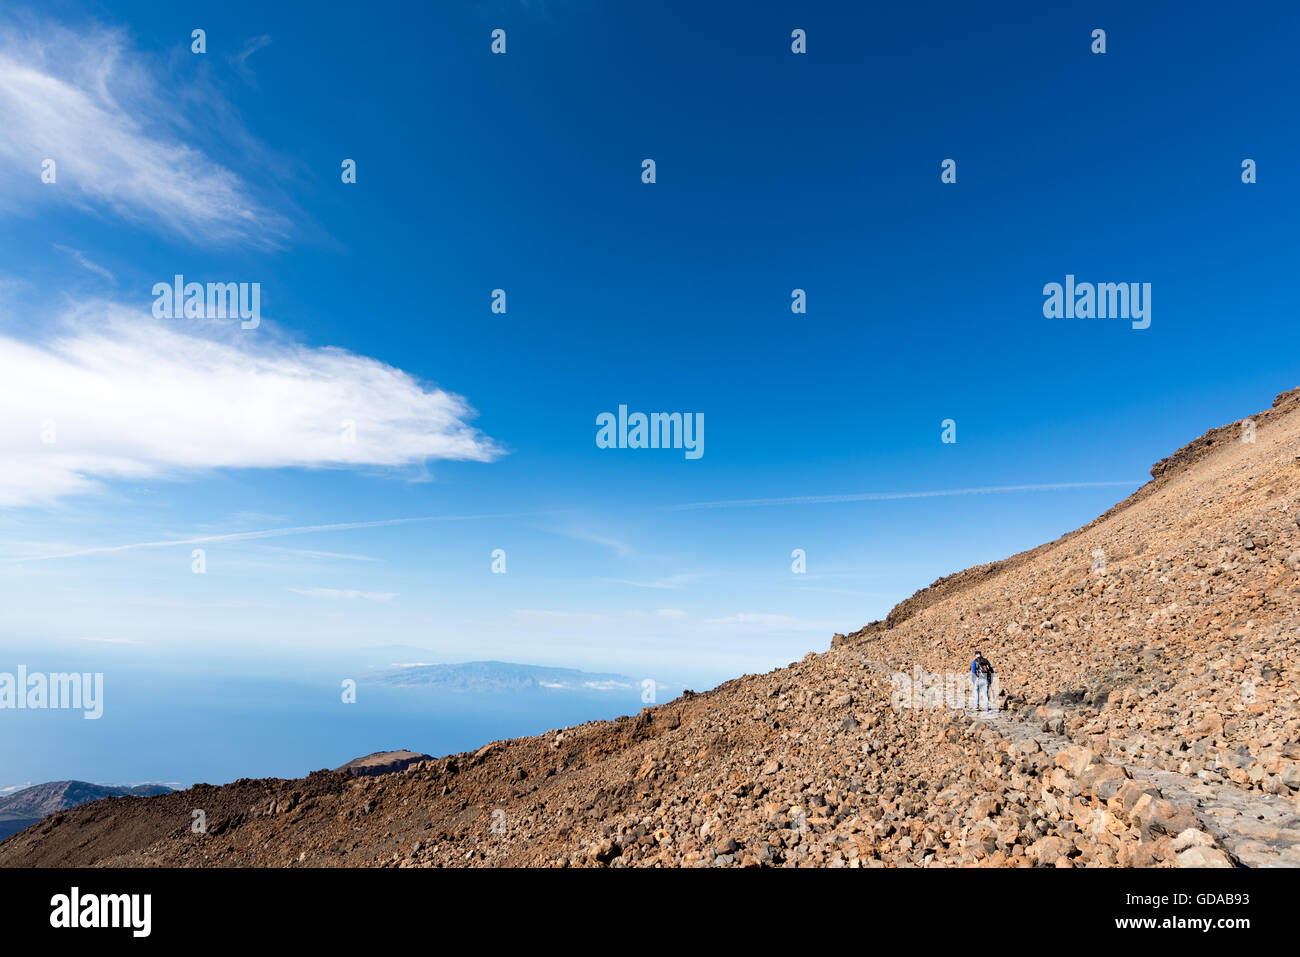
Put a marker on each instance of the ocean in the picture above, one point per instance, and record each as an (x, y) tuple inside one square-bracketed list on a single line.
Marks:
[(213, 723)]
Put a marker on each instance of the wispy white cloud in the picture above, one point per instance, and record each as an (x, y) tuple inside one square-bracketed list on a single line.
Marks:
[(891, 496), (620, 548), (240, 60), (117, 395), (347, 594), (47, 551), (759, 620), (317, 554), (44, 552), (80, 258), (636, 621), (87, 101), (668, 582), (53, 552)]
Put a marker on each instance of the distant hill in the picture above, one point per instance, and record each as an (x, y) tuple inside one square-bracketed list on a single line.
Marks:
[(22, 809), (382, 762), (496, 677)]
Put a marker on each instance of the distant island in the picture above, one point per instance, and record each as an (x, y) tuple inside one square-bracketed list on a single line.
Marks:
[(501, 677), (21, 809)]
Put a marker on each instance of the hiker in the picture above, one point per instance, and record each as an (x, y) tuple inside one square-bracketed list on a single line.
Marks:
[(981, 673)]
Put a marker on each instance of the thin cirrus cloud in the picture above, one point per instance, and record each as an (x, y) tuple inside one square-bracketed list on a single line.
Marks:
[(618, 547), (348, 594), (44, 551), (117, 395), (85, 263), (893, 496), (88, 102)]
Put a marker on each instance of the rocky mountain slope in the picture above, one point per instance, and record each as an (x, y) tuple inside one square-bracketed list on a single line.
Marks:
[(1148, 669)]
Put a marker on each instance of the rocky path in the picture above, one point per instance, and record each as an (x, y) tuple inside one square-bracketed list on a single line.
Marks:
[(1259, 830)]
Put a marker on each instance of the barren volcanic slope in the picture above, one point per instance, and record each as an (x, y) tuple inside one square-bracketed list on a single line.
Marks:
[(1149, 662)]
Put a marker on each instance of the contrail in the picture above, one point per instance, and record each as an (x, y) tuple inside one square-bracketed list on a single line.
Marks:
[(264, 533), (725, 503), (888, 496)]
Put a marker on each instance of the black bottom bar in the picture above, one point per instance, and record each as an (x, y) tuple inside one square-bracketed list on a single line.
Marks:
[(387, 906)]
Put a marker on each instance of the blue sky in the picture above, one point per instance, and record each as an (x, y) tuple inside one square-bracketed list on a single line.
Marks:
[(476, 431)]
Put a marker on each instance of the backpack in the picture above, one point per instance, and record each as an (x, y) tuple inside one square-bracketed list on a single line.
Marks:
[(982, 667)]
